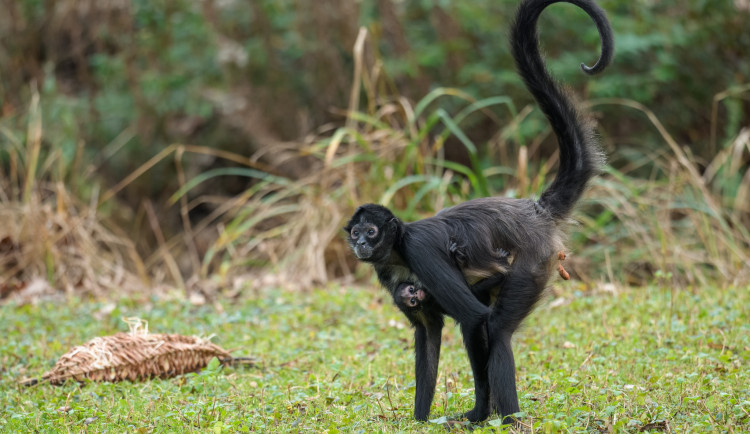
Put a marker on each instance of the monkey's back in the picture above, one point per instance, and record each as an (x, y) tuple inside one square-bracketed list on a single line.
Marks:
[(480, 227)]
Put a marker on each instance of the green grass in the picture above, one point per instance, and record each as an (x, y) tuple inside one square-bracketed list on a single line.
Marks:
[(340, 359)]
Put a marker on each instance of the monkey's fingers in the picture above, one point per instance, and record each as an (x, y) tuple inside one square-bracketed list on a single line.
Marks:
[(561, 255), (564, 274)]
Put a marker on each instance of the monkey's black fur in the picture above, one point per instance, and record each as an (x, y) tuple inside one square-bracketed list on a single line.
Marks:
[(461, 245)]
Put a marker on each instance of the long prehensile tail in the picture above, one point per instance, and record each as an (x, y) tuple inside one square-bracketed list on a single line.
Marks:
[(580, 156)]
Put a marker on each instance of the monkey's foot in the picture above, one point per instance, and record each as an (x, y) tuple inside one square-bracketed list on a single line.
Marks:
[(477, 414)]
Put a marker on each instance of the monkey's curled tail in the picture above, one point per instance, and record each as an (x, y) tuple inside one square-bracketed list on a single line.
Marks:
[(580, 156)]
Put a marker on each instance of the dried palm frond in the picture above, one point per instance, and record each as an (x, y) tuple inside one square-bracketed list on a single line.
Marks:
[(135, 356)]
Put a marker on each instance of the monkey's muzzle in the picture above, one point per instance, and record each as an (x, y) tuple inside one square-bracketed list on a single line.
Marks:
[(363, 252)]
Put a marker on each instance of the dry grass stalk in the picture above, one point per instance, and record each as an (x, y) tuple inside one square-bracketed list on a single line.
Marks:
[(135, 356), (63, 242), (50, 241)]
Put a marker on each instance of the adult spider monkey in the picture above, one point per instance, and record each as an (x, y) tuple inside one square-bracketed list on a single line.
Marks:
[(423, 252)]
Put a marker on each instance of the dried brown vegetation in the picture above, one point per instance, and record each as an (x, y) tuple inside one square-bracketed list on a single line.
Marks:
[(48, 234), (662, 213)]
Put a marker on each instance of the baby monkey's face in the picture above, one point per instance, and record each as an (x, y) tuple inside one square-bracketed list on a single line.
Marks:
[(409, 296)]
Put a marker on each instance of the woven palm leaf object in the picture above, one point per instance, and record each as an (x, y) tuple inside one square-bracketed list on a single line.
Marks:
[(134, 356)]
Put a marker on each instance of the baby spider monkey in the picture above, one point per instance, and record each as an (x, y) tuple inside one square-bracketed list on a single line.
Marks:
[(411, 296)]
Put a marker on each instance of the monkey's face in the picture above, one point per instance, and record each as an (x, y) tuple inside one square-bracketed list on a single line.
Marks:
[(371, 233), (363, 239), (410, 296)]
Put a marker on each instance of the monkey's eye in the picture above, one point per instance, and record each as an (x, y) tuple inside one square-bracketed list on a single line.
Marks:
[(355, 233), (413, 301), (372, 232)]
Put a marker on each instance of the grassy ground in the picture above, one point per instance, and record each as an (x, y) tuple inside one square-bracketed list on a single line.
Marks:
[(339, 359)]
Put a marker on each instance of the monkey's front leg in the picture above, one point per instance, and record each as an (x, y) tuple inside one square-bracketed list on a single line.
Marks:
[(427, 349), (449, 289)]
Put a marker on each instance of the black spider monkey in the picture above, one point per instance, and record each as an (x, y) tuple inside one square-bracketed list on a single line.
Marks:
[(532, 231)]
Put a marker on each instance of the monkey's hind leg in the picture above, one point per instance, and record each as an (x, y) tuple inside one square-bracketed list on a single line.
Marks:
[(520, 293)]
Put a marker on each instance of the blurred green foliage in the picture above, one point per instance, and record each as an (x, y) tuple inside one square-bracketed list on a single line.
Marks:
[(157, 64)]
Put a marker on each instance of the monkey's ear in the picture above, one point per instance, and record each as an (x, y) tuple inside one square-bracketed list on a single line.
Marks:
[(394, 226)]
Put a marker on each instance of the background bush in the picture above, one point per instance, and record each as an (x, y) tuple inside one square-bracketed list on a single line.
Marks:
[(121, 80)]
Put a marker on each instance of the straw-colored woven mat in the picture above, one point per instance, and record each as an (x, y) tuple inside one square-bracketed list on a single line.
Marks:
[(135, 356)]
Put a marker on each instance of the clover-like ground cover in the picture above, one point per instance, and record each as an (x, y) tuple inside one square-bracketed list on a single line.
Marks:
[(340, 359)]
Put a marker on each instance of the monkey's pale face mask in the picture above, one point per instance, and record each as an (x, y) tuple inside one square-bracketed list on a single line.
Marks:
[(411, 297), (371, 233), (364, 238)]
